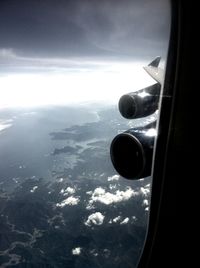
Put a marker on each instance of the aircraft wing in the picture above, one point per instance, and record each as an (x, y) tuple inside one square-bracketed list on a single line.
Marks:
[(154, 71)]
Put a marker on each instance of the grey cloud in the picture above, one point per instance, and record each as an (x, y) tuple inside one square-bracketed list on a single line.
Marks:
[(126, 27), (106, 28), (11, 62)]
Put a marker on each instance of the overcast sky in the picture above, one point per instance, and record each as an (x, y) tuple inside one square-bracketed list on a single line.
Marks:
[(70, 36)]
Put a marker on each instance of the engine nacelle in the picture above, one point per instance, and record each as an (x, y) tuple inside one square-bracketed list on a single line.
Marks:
[(140, 103), (131, 152)]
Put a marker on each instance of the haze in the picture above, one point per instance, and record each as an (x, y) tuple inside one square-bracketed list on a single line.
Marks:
[(65, 52)]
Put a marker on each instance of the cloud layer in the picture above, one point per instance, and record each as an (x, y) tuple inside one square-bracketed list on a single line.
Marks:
[(106, 28)]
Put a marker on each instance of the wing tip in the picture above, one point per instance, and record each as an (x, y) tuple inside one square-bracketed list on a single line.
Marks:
[(155, 62)]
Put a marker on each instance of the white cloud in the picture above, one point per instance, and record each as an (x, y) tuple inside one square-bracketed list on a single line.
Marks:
[(90, 206), (96, 218), (76, 251), (71, 201), (98, 191), (125, 221), (117, 219), (112, 186), (89, 192), (114, 178), (107, 198), (68, 190), (33, 189), (144, 191), (145, 202)]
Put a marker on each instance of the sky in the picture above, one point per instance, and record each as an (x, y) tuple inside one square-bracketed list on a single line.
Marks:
[(71, 51)]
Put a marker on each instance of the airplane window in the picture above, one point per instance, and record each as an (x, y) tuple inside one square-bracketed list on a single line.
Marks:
[(74, 188)]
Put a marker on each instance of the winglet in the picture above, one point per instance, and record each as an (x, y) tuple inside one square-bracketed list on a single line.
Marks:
[(155, 62), (154, 71)]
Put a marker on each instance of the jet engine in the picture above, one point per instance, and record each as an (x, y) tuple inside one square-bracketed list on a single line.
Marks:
[(141, 103), (131, 152)]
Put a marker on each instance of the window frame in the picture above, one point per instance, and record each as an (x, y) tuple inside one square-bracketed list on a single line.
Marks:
[(174, 154)]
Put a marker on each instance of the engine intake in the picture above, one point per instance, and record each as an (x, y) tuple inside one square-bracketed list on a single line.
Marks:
[(141, 103), (131, 152)]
